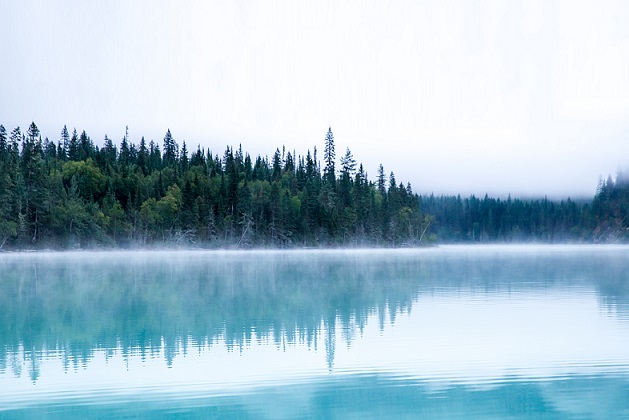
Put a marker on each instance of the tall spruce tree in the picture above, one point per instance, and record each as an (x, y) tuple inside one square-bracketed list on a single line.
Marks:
[(64, 141), (109, 152), (183, 158), (170, 150), (348, 164), (329, 156), (143, 157), (381, 180), (73, 147), (85, 146), (3, 143)]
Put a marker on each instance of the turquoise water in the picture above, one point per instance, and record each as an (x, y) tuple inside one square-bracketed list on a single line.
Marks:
[(448, 332)]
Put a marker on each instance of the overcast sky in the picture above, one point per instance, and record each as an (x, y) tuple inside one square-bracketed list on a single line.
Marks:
[(527, 98)]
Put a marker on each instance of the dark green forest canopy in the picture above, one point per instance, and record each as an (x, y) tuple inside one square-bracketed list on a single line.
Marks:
[(71, 193)]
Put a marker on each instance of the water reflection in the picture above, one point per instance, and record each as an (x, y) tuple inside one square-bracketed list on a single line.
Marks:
[(442, 322), (82, 302), (369, 396)]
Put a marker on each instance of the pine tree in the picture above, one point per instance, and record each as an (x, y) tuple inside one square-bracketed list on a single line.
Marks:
[(8, 227), (277, 165), (183, 159), (14, 148), (381, 180), (198, 158), (109, 152), (28, 151), (170, 150), (125, 153), (85, 146), (64, 141), (34, 180), (155, 158), (3, 143), (73, 147), (329, 157), (143, 157), (348, 164)]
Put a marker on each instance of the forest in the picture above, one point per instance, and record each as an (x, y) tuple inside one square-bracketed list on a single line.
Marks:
[(72, 194)]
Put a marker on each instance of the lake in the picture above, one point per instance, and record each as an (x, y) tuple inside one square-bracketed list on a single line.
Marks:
[(447, 332)]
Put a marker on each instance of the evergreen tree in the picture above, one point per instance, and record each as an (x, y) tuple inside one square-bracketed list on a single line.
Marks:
[(50, 150), (381, 180), (170, 150), (3, 143), (184, 158), (155, 159), (85, 146), (64, 141), (109, 153), (348, 164), (8, 226), (277, 165), (143, 157), (124, 157), (34, 181), (198, 158), (73, 147), (329, 157)]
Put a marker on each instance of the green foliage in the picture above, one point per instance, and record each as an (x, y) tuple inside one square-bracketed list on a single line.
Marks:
[(609, 213), (8, 229), (77, 194), (512, 220), (90, 181)]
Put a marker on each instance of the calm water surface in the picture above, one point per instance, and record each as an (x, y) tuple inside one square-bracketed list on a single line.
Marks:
[(449, 332)]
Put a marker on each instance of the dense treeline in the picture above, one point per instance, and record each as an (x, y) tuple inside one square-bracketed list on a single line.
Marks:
[(76, 194), (605, 218), (512, 220), (610, 209), (73, 193)]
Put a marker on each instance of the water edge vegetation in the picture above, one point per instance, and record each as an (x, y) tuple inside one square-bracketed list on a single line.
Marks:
[(74, 194)]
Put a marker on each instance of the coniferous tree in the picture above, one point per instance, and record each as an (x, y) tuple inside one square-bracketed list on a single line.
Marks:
[(170, 150), (125, 152), (3, 143), (381, 180), (277, 165), (73, 147), (85, 146), (35, 193), (64, 141), (155, 157), (348, 166), (8, 227), (143, 157), (183, 158), (329, 156), (14, 140), (50, 150), (109, 154), (198, 158)]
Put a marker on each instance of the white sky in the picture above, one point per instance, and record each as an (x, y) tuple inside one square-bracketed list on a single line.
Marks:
[(528, 98)]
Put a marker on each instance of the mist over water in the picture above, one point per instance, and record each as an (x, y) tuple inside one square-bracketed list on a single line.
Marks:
[(521, 331)]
